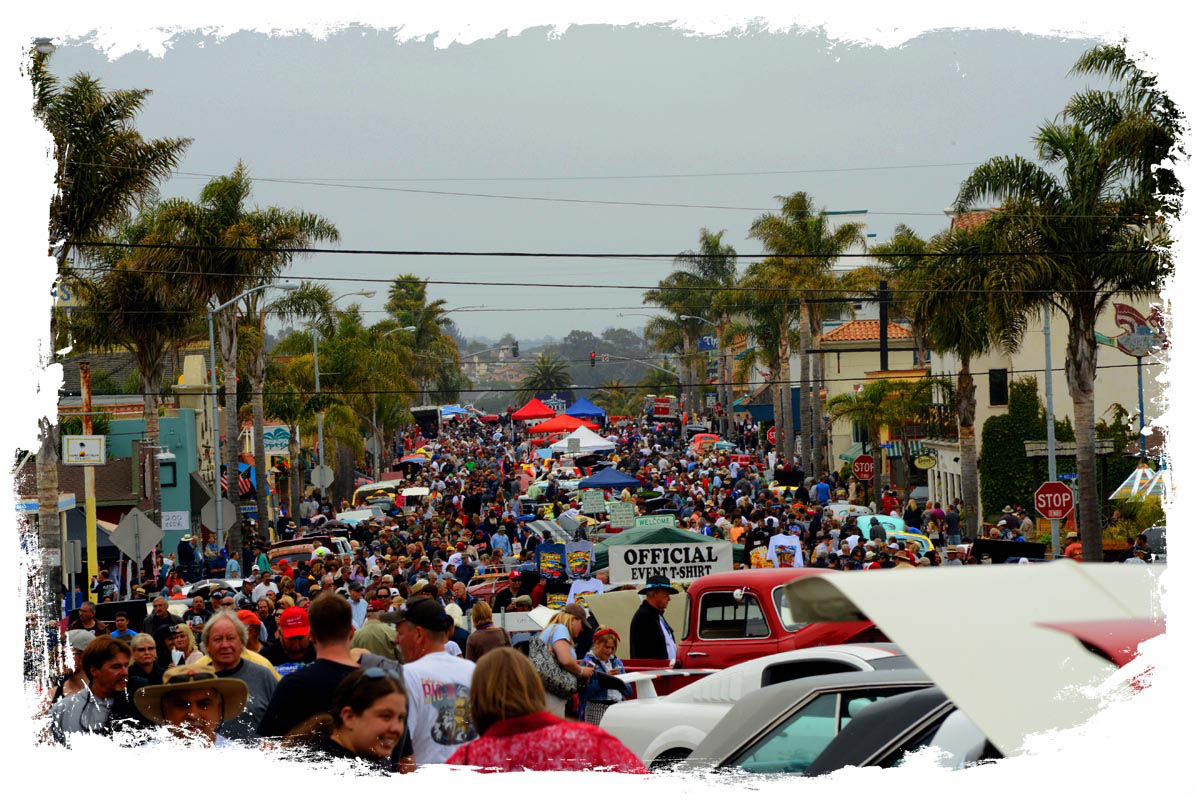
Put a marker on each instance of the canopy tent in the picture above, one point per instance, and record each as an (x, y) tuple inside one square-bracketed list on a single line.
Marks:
[(1134, 485), (562, 424), (663, 534), (585, 408), (609, 478), (534, 409), (1161, 486), (451, 411), (588, 442)]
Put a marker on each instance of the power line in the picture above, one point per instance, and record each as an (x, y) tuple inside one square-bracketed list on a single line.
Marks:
[(756, 387)]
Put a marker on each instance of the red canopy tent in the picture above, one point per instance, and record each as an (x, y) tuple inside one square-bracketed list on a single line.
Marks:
[(563, 423), (534, 409)]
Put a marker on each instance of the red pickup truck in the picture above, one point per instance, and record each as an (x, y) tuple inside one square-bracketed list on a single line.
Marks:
[(733, 617)]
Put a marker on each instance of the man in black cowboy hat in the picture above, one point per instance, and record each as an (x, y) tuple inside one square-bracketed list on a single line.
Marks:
[(649, 634)]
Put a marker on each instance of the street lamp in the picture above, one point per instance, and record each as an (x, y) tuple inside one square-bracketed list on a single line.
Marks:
[(216, 435)]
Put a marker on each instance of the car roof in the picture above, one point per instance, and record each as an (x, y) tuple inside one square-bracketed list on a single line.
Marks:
[(754, 578), (763, 707), (734, 682)]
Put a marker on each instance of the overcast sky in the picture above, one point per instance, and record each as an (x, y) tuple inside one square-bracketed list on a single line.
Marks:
[(507, 115)]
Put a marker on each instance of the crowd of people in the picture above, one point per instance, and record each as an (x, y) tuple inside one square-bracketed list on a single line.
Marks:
[(382, 656)]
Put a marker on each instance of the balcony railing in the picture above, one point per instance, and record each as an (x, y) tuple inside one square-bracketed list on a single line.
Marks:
[(938, 421)]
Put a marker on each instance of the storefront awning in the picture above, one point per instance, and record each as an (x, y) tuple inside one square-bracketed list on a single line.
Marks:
[(857, 449)]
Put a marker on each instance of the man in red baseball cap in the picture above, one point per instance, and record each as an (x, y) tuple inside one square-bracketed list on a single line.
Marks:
[(293, 649), (504, 597)]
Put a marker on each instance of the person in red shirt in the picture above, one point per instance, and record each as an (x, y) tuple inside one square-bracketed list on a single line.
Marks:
[(516, 733), (1074, 549)]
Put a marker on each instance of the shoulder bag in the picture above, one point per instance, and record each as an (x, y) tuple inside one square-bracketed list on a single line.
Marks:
[(555, 677)]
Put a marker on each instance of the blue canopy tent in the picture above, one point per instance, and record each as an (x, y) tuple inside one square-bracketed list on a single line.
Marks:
[(586, 408), (610, 478), (450, 411)]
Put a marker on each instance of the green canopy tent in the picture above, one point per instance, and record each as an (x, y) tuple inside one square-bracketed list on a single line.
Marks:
[(663, 534)]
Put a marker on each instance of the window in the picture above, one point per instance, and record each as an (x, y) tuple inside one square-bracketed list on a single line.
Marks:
[(723, 617), (793, 745), (997, 387), (859, 433), (785, 611), (166, 474)]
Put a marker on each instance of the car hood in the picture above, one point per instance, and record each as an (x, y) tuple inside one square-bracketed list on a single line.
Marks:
[(978, 632)]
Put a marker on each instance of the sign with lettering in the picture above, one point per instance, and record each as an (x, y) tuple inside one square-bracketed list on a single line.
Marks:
[(635, 563), (593, 501), (176, 521), (654, 521), (83, 450), (620, 515)]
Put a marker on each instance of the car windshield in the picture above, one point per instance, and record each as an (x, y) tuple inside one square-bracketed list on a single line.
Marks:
[(782, 608)]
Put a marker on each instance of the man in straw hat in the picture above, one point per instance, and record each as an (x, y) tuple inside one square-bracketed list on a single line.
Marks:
[(193, 702)]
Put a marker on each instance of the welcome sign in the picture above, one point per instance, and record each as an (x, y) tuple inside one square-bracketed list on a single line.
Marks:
[(635, 563)]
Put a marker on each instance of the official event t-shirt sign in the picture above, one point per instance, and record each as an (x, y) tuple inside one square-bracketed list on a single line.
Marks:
[(635, 563), (621, 515), (579, 559), (593, 501), (551, 560)]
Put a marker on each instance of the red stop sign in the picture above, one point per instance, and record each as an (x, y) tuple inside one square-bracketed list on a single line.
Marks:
[(771, 435), (1054, 500), (863, 467)]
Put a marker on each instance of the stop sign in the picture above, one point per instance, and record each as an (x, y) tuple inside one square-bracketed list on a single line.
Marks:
[(863, 467), (771, 435), (1054, 500)]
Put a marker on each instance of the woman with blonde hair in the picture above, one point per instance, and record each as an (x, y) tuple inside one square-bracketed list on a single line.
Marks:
[(558, 637), (487, 635), (507, 706), (183, 646)]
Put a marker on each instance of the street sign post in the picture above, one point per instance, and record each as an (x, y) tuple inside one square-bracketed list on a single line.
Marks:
[(136, 536), (208, 515), (322, 476), (863, 467), (83, 451), (771, 435), (1054, 500)]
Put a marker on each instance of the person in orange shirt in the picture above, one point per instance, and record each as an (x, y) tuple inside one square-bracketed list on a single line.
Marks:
[(1073, 549)]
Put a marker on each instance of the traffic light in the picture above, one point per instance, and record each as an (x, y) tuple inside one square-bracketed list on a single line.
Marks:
[(593, 359), (515, 348)]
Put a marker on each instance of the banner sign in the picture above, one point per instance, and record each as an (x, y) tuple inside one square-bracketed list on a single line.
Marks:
[(276, 439), (635, 563), (655, 521)]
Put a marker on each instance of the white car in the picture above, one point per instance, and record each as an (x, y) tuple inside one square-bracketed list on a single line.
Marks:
[(361, 515), (663, 730)]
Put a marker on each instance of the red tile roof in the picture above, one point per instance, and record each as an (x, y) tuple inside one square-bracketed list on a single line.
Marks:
[(972, 219), (865, 330)]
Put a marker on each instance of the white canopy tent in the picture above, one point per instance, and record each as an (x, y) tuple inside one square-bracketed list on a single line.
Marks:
[(589, 442)]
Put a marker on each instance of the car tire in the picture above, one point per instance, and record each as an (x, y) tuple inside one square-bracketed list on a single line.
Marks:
[(669, 759)]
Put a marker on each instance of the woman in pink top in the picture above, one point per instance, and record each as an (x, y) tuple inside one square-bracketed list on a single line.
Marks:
[(508, 708)]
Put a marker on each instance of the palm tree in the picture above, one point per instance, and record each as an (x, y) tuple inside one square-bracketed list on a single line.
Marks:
[(680, 330), (868, 409), (546, 374), (310, 300), (954, 307), (410, 306), (1141, 122), (104, 169), (800, 228), (713, 273), (1079, 221), (128, 307), (229, 249)]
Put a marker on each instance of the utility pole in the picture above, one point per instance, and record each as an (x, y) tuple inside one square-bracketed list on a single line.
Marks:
[(883, 326), (89, 481), (1051, 461)]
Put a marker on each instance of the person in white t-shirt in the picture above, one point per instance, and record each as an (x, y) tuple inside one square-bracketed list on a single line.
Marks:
[(784, 550), (438, 683)]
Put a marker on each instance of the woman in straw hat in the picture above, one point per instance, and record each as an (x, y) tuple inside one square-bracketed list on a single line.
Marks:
[(193, 702)]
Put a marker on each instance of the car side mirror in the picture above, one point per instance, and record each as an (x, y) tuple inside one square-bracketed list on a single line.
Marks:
[(739, 594)]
